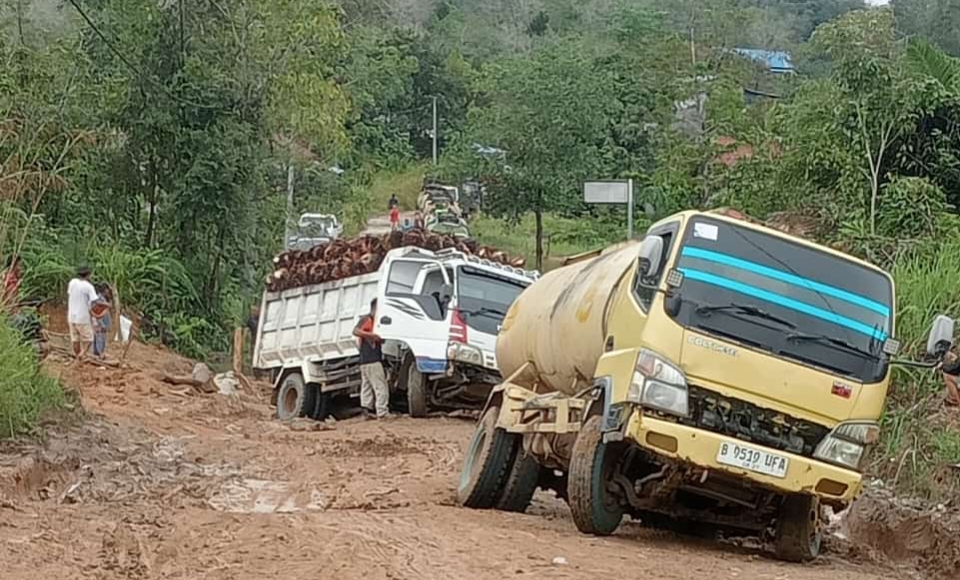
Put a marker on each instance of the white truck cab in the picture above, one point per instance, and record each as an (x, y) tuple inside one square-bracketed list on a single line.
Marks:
[(439, 314)]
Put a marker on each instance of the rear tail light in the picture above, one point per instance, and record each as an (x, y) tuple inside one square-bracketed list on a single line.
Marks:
[(458, 328)]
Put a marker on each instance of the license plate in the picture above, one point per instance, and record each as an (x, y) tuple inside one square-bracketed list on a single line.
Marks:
[(744, 457)]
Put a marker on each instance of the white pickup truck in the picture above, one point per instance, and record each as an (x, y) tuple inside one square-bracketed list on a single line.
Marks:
[(438, 313)]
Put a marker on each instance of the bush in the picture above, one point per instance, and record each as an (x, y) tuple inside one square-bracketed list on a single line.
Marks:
[(25, 390), (918, 441)]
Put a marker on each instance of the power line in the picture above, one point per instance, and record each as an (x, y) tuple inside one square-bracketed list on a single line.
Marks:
[(130, 65)]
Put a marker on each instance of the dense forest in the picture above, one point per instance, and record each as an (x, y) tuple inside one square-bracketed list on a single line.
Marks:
[(152, 139)]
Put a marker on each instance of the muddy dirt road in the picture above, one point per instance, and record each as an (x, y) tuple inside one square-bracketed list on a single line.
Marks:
[(157, 482)]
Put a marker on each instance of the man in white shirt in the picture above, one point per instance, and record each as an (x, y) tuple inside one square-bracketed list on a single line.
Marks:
[(80, 297)]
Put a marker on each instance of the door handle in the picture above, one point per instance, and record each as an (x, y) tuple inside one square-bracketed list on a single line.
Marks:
[(386, 320)]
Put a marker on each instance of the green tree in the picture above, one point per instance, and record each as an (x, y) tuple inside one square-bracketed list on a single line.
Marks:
[(550, 115)]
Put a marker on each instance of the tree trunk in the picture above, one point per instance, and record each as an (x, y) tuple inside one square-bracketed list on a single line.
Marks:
[(538, 213), (153, 186)]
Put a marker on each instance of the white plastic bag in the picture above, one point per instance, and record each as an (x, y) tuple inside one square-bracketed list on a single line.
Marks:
[(126, 325)]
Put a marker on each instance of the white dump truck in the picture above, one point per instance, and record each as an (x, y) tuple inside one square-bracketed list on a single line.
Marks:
[(438, 313)]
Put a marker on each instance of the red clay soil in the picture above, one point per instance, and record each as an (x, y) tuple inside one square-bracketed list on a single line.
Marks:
[(155, 481)]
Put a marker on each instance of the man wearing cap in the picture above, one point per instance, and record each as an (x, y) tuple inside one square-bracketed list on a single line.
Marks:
[(80, 298)]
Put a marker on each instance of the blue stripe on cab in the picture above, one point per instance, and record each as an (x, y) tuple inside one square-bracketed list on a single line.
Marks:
[(790, 303), (728, 260)]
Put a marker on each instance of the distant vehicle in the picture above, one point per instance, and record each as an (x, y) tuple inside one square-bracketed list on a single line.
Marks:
[(314, 229), (447, 222)]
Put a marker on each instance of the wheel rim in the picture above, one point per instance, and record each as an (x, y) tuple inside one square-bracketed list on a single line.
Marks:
[(290, 401), (470, 463)]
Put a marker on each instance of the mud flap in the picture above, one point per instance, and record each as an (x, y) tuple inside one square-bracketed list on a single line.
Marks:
[(614, 416), (602, 395)]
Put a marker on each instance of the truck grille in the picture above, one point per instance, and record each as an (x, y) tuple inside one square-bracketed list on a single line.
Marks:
[(714, 412)]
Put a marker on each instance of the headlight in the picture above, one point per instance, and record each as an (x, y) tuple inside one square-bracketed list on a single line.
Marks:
[(464, 353), (659, 385), (846, 445)]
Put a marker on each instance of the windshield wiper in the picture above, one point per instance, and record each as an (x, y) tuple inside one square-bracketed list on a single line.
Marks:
[(745, 309), (822, 338), (483, 310)]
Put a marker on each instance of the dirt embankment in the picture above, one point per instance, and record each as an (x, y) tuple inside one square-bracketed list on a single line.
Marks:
[(155, 481), (921, 540)]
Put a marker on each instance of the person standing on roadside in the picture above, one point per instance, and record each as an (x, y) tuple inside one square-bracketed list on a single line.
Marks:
[(394, 219), (374, 393), (101, 318), (80, 298)]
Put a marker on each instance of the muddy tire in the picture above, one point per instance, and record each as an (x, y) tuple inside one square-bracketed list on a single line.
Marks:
[(595, 508), (486, 463), (294, 398), (415, 385), (799, 534), (521, 482), (323, 404)]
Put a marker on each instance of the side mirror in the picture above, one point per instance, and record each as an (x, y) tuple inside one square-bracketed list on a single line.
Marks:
[(940, 338), (651, 254)]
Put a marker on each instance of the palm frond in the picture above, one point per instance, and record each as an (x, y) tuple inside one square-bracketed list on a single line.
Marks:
[(923, 58)]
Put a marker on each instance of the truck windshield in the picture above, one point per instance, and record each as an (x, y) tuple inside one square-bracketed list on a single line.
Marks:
[(485, 297), (776, 295)]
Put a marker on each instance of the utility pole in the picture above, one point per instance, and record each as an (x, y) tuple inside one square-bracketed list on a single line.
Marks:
[(630, 209), (286, 228), (693, 48), (434, 130)]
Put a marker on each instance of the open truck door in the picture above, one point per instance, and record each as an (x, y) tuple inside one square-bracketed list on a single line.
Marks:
[(412, 309)]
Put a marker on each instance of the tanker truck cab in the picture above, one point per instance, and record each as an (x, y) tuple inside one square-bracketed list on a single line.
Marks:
[(737, 385), (439, 313)]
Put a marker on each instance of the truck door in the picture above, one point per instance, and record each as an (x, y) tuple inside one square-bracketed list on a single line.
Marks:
[(415, 316)]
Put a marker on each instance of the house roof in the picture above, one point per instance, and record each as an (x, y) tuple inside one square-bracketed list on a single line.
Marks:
[(775, 60)]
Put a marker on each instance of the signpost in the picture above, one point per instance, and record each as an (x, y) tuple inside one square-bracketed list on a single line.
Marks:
[(612, 191)]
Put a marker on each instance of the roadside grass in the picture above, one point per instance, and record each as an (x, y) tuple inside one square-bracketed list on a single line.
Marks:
[(26, 391), (562, 237), (406, 183), (920, 439)]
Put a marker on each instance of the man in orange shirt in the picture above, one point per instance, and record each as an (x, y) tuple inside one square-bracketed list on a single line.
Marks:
[(374, 392)]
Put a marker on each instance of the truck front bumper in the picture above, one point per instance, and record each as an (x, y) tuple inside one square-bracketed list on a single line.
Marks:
[(834, 485)]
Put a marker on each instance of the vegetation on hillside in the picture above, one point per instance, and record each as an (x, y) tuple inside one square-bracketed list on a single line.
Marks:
[(153, 140)]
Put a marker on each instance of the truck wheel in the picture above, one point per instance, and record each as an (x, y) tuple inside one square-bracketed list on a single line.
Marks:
[(294, 398), (486, 463), (595, 507), (798, 530), (323, 404), (521, 482), (414, 383)]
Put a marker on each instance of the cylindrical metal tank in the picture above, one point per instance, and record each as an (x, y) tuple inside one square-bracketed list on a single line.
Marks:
[(559, 322)]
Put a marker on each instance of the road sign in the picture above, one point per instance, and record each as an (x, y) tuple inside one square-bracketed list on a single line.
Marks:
[(612, 191), (606, 191)]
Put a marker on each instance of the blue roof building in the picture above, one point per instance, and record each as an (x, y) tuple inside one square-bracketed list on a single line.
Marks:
[(777, 61)]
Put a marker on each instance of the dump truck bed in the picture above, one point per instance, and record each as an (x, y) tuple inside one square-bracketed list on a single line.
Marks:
[(312, 324)]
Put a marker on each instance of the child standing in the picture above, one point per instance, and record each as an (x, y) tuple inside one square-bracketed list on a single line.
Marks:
[(394, 218), (100, 312)]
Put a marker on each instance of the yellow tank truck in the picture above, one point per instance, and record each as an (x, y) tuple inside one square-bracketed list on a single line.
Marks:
[(717, 372)]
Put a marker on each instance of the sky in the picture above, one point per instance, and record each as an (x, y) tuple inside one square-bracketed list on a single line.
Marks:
[(878, 2)]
